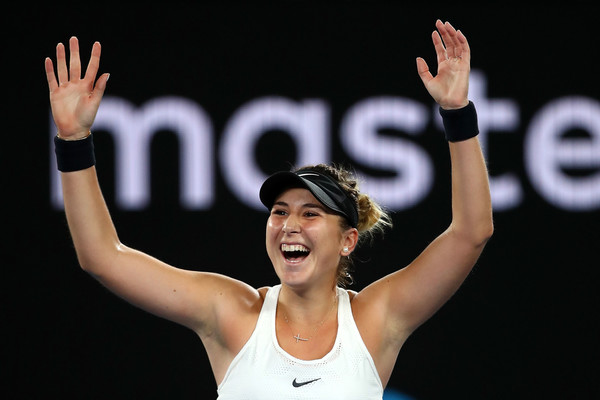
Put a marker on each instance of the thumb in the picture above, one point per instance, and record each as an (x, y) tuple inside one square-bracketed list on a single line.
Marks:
[(423, 70), (100, 87)]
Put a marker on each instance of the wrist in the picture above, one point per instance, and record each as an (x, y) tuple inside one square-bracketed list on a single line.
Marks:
[(456, 107), (460, 124), (74, 154), (74, 137)]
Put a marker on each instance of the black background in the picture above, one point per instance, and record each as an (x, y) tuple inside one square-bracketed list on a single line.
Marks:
[(524, 324)]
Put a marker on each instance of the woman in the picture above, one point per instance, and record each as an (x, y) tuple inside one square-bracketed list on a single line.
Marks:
[(306, 337)]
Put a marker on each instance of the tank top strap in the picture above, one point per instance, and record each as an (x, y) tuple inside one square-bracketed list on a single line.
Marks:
[(270, 304), (266, 319), (344, 309)]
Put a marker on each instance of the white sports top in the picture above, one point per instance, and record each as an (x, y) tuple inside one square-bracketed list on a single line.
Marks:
[(263, 370)]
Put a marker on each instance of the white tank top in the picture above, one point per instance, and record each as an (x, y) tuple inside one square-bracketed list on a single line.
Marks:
[(262, 370)]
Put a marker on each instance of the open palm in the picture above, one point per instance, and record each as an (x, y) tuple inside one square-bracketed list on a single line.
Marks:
[(449, 88), (74, 101)]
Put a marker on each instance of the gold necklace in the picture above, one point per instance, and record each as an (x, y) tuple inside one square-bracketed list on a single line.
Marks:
[(316, 328)]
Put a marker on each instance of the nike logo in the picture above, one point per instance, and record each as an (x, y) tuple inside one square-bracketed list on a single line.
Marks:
[(298, 384)]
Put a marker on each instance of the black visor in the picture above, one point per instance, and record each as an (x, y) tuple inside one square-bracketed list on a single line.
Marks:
[(324, 188)]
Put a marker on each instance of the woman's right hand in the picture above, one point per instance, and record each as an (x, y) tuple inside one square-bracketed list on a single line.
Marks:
[(74, 101)]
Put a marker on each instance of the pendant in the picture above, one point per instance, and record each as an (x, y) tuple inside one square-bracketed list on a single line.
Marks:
[(297, 337)]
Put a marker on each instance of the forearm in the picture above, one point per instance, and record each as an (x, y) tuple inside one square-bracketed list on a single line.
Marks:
[(471, 201), (90, 224)]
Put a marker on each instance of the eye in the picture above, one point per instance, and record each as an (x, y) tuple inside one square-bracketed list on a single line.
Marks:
[(310, 214), (278, 211)]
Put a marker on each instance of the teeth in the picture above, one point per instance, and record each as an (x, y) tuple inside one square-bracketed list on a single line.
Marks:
[(293, 247)]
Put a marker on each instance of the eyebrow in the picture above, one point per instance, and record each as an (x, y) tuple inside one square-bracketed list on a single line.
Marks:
[(305, 205)]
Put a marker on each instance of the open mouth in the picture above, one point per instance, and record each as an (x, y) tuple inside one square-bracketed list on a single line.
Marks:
[(294, 252)]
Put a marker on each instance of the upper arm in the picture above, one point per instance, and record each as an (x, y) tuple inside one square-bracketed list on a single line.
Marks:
[(190, 298), (411, 295)]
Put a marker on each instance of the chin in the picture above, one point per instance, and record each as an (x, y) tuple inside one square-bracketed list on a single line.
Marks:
[(293, 278)]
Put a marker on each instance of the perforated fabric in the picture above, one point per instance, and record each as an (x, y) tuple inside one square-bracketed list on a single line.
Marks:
[(263, 370)]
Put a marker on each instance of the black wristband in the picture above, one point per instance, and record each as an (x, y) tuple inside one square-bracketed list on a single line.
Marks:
[(74, 155), (460, 124)]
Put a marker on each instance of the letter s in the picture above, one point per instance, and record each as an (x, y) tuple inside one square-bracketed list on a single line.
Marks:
[(412, 166)]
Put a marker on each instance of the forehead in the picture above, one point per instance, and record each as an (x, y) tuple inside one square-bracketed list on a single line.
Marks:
[(303, 198), (297, 195)]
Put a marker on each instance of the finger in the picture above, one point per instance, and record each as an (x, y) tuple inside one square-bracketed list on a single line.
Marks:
[(98, 91), (423, 70), (61, 64), (440, 33), (449, 38), (50, 77), (465, 49), (94, 63), (440, 51), (74, 62)]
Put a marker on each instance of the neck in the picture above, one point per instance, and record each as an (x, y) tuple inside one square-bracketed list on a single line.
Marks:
[(307, 307)]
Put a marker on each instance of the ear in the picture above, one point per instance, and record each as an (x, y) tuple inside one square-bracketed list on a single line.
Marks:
[(349, 242)]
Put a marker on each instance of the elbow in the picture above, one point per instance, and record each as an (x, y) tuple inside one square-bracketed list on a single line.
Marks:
[(486, 234), (483, 233), (477, 235), (94, 260), (88, 264)]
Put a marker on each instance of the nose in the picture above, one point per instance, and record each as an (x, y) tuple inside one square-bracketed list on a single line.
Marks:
[(291, 225)]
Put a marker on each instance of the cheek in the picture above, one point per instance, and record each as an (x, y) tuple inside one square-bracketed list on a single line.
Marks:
[(273, 226), (272, 230), (329, 237)]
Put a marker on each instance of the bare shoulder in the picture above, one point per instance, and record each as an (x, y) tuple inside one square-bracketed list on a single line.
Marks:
[(370, 296), (216, 299), (235, 294), (262, 292), (218, 284), (372, 318), (370, 310), (235, 309), (363, 304), (351, 294)]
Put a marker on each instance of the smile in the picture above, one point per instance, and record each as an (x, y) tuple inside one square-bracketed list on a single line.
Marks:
[(294, 252)]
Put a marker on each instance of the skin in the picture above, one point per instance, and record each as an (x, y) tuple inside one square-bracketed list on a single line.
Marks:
[(223, 311)]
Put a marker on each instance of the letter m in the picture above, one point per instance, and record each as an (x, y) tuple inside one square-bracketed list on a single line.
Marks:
[(132, 130)]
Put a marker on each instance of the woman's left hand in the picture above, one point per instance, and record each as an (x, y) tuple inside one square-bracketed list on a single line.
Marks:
[(450, 87)]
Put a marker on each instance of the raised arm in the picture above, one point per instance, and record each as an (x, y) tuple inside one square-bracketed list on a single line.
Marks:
[(408, 297), (191, 298)]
